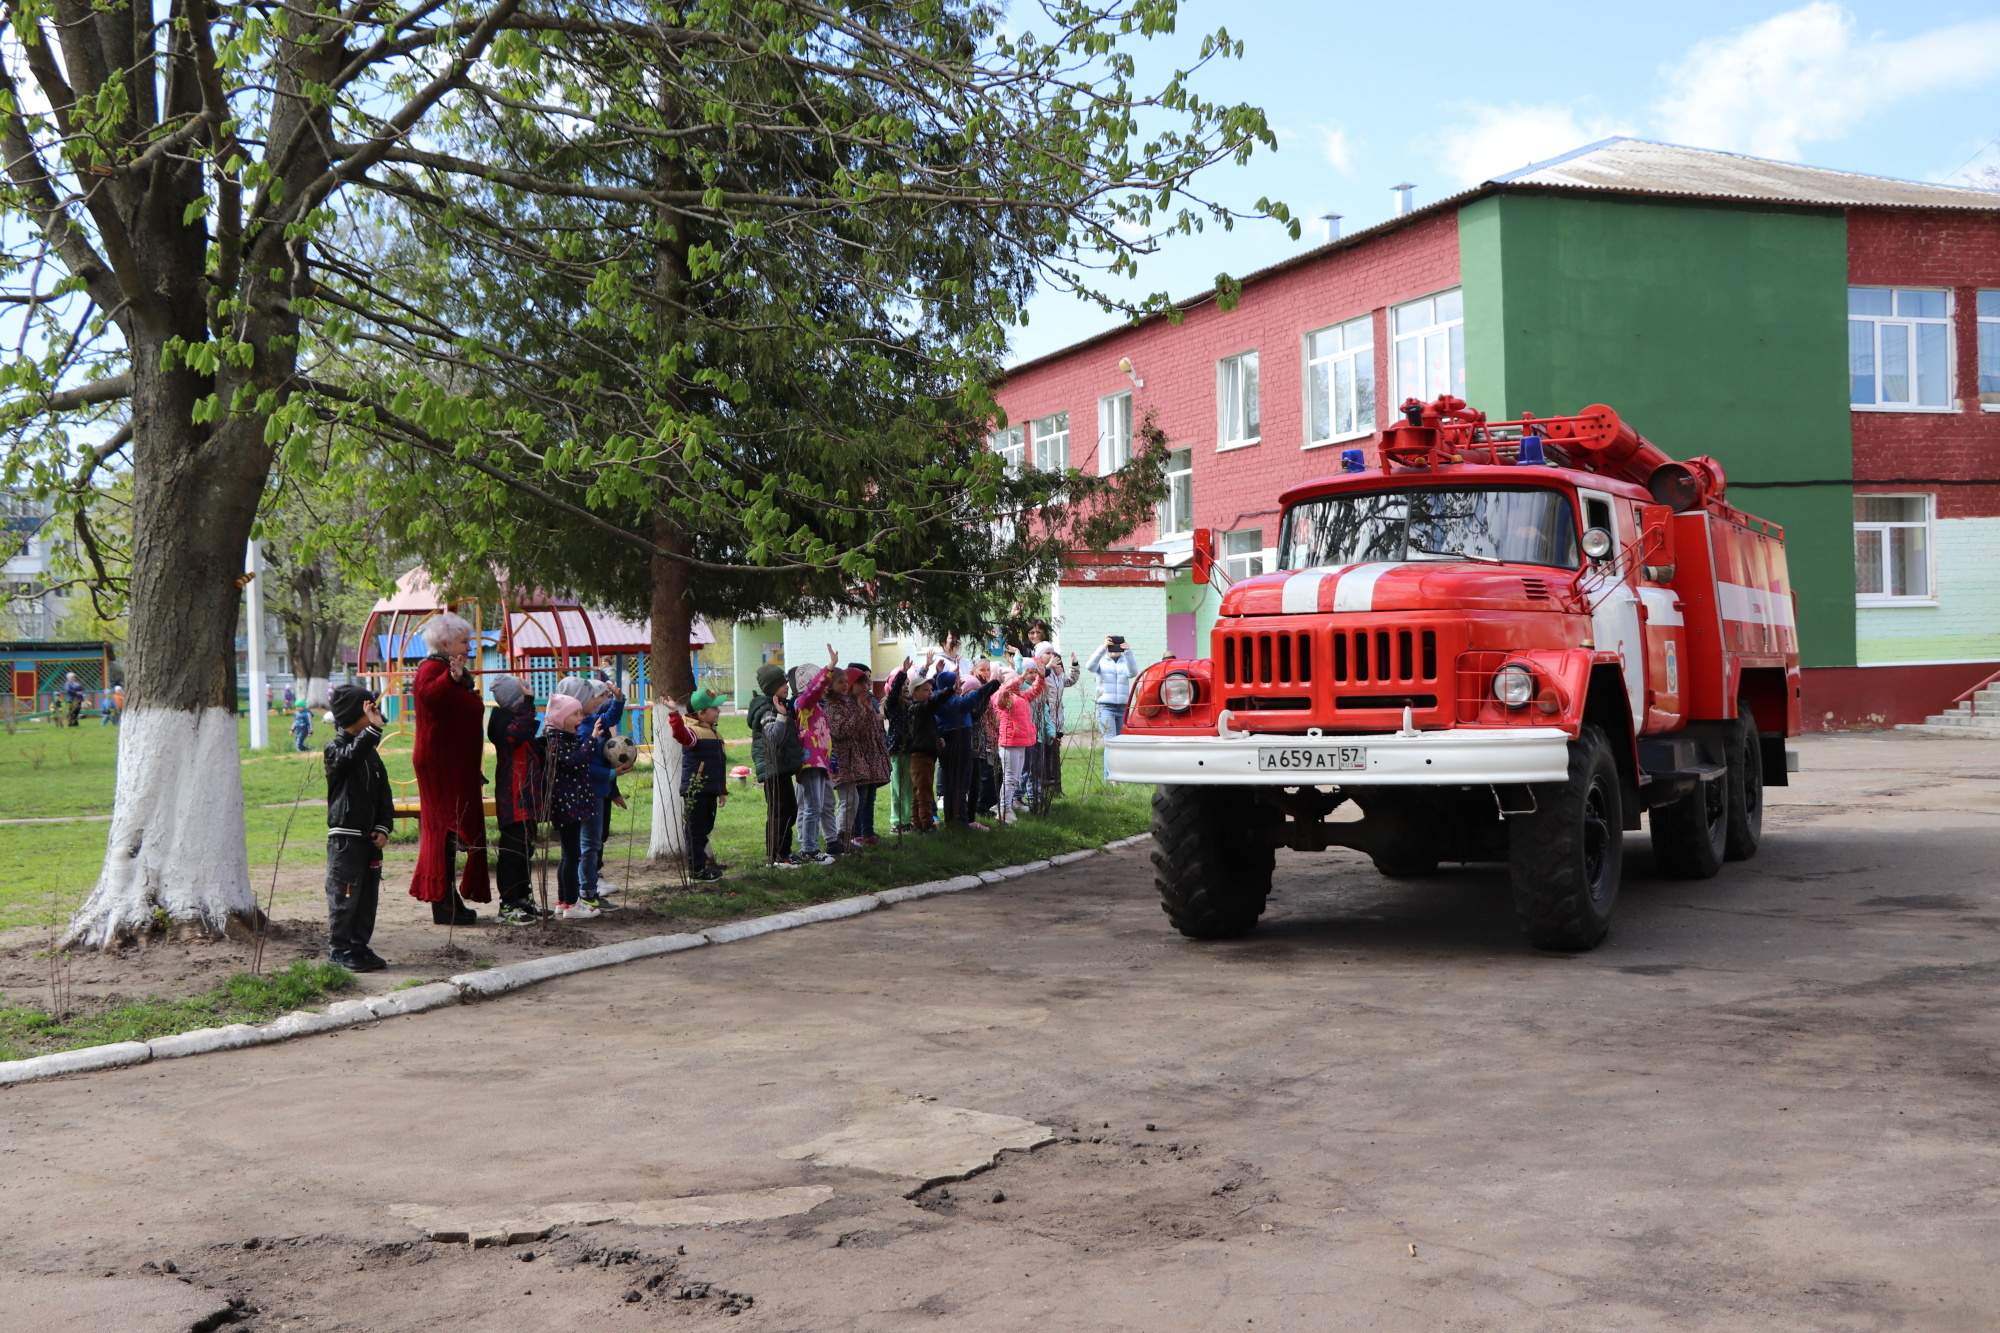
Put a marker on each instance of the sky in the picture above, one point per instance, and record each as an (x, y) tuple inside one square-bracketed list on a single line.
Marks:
[(1364, 96)]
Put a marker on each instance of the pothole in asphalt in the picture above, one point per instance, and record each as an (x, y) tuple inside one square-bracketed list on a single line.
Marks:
[(570, 1278), (1090, 1189)]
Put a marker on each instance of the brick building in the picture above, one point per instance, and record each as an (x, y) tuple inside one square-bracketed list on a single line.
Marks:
[(1832, 338)]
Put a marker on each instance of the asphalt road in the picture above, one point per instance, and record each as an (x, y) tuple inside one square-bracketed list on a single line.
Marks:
[(1768, 1102)]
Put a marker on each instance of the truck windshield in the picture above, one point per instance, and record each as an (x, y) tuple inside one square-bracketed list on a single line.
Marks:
[(1529, 525)]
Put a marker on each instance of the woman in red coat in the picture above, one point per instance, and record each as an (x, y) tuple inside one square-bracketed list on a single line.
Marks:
[(450, 747)]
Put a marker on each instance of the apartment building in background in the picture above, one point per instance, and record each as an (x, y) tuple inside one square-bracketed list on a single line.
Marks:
[(1832, 338)]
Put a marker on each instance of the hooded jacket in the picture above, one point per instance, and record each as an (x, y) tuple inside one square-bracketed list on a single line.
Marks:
[(359, 799), (1013, 706)]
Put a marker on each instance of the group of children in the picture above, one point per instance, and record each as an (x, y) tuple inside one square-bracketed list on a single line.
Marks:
[(558, 768), (952, 740)]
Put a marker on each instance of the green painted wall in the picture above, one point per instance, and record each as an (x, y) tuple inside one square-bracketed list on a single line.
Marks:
[(1712, 329)]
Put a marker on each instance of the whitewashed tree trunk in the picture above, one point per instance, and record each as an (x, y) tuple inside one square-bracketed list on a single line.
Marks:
[(176, 843), (668, 848), (316, 692)]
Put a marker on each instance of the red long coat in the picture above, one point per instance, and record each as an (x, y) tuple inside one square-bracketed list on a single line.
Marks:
[(450, 747)]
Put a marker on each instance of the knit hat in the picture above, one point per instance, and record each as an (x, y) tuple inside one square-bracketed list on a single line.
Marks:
[(769, 677), (346, 703), (508, 691), (563, 709), (945, 681), (1047, 648), (857, 673), (579, 689), (701, 699)]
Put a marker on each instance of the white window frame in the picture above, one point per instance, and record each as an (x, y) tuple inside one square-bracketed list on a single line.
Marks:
[(1355, 358), (1177, 479), (1229, 370), (1049, 437), (1114, 432), (1011, 443), (1423, 390), (1928, 524), (1236, 563), (1951, 400), (1989, 326)]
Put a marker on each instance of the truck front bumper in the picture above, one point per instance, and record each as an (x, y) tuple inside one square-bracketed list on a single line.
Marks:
[(1429, 758)]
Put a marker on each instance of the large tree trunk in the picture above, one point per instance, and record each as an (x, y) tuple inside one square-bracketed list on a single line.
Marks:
[(671, 677), (176, 843), (176, 849)]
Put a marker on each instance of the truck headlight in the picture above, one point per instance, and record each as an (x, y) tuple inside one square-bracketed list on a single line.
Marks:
[(1177, 692), (1514, 685)]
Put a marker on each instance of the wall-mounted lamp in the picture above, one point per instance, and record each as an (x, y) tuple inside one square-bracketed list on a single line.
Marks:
[(1125, 365)]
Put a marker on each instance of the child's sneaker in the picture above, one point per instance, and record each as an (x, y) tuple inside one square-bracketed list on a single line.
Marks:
[(787, 864), (518, 916), (820, 858), (579, 911), (705, 875), (602, 906), (605, 890)]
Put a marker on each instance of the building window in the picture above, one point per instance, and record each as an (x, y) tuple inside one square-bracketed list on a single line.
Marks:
[(1114, 433), (1899, 348), (1243, 553), (1430, 347), (1989, 351), (1176, 515), (1340, 382), (1011, 445), (1052, 442), (1892, 549), (1236, 400)]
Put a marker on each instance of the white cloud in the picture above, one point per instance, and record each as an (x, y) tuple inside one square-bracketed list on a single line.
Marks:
[(1501, 139), (1336, 148), (1804, 75)]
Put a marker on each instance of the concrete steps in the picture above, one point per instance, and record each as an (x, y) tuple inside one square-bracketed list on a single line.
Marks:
[(1977, 718)]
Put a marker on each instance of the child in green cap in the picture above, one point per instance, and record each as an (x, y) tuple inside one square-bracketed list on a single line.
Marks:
[(704, 777)]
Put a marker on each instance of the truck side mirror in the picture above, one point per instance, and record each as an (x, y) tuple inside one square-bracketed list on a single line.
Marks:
[(1656, 542)]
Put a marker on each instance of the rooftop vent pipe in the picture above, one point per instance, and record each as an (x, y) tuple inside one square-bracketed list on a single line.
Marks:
[(1330, 222), (1405, 201)]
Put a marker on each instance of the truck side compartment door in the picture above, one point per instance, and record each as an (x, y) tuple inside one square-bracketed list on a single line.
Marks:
[(1666, 629)]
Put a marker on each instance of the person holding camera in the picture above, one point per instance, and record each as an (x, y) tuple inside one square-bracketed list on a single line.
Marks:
[(360, 810), (1113, 666)]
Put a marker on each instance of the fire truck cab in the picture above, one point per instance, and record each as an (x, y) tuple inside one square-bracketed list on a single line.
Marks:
[(1505, 641)]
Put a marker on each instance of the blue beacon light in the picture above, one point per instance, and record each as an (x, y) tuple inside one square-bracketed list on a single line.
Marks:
[(1531, 454), (1351, 461)]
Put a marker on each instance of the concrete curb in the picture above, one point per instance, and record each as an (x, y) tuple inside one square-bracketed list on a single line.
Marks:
[(500, 980)]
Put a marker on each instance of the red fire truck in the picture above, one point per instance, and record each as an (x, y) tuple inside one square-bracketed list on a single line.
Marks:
[(1504, 641)]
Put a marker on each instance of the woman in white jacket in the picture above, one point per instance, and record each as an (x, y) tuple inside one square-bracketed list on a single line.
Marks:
[(1113, 665)]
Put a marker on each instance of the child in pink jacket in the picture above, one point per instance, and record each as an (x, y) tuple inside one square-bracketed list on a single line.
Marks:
[(1015, 716)]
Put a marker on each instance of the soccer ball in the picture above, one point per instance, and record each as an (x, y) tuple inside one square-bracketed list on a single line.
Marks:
[(621, 752)]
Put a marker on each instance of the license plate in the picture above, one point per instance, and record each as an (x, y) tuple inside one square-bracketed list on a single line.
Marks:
[(1318, 758)]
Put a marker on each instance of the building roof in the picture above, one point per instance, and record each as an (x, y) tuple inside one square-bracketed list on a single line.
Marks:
[(1631, 166), (1640, 166)]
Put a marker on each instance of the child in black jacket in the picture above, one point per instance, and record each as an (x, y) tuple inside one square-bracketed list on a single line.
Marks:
[(360, 810), (704, 781)]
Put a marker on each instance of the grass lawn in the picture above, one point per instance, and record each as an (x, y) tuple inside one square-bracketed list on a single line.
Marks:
[(26, 1030), (48, 771)]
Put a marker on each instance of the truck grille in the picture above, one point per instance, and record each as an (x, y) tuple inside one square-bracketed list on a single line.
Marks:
[(1362, 656), (1267, 659)]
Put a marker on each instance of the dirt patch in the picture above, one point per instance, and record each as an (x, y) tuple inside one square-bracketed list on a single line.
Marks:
[(416, 949), (573, 1279), (1095, 1188)]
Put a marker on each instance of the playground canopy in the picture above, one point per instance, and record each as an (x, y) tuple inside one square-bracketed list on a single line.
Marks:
[(38, 666)]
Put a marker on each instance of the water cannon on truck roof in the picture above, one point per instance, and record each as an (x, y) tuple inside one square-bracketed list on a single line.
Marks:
[(1503, 641)]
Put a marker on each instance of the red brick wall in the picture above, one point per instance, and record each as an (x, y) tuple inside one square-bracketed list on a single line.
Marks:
[(1887, 248), (1238, 488)]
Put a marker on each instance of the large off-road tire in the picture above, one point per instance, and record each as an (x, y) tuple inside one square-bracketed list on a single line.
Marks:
[(1746, 789), (1690, 834), (1213, 879), (1566, 858)]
